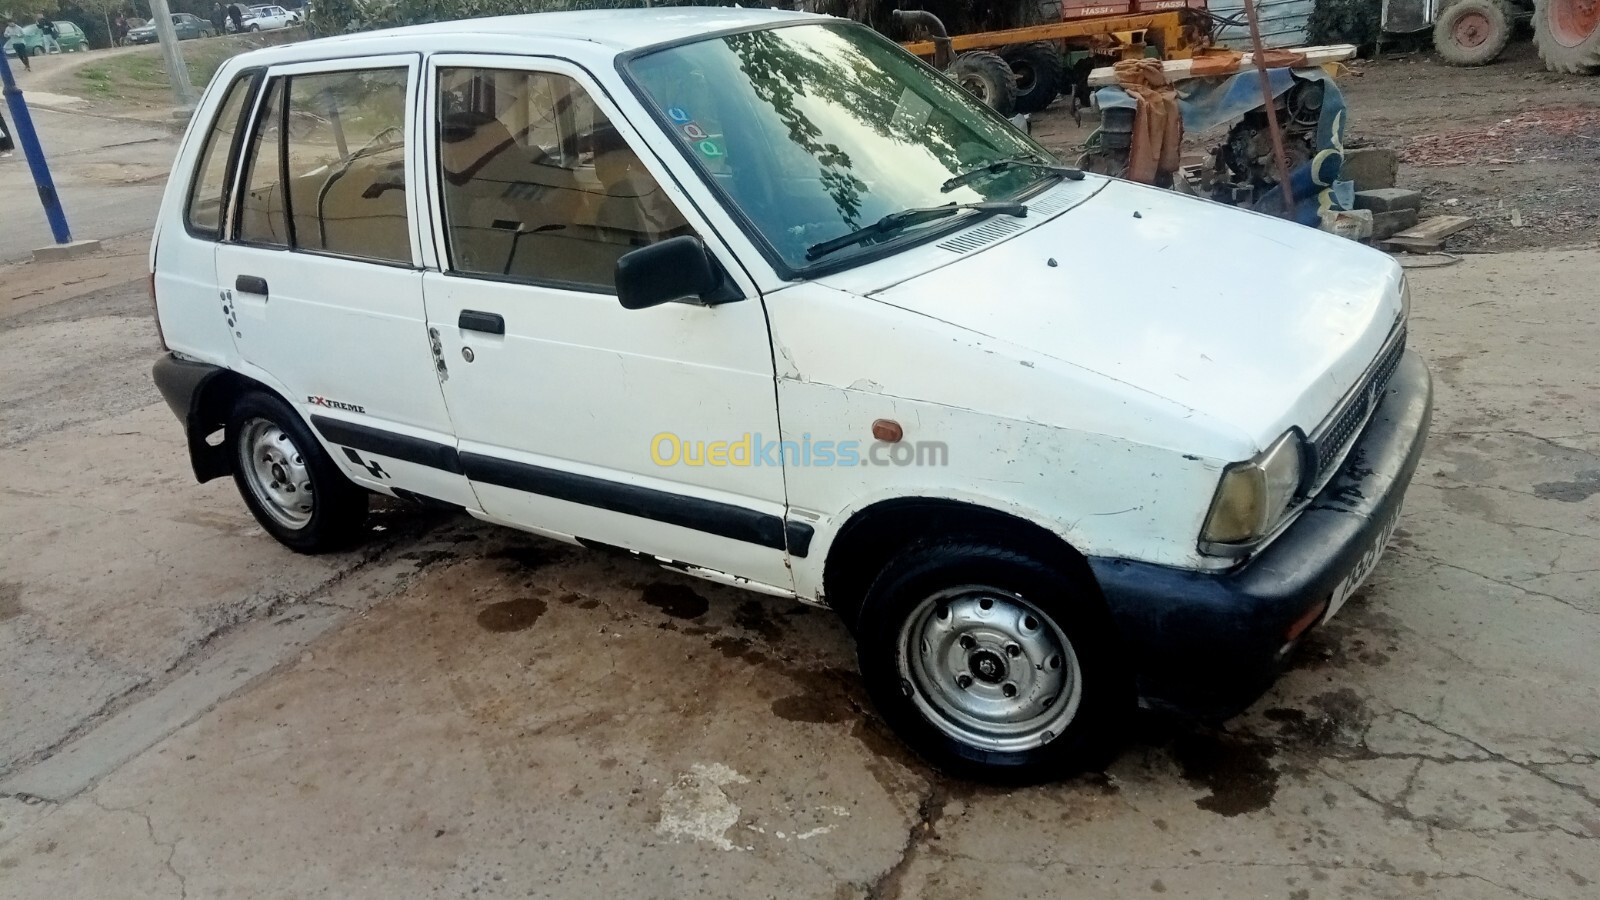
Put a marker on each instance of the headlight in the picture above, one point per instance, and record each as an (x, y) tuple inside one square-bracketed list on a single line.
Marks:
[(1405, 299), (1253, 495)]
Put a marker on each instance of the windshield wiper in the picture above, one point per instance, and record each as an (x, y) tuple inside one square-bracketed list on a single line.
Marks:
[(906, 218), (1024, 161)]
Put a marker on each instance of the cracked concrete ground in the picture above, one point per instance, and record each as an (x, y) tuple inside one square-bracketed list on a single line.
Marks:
[(493, 715)]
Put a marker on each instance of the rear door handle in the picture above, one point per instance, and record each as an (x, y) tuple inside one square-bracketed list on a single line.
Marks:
[(486, 322), (250, 284)]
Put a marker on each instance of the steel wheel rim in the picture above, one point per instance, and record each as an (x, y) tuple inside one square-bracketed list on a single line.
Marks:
[(989, 668), (1472, 29), (275, 471), (976, 86), (1573, 21)]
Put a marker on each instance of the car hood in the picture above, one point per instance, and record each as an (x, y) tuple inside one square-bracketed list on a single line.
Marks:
[(1256, 322)]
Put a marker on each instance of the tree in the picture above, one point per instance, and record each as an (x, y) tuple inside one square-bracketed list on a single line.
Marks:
[(341, 16)]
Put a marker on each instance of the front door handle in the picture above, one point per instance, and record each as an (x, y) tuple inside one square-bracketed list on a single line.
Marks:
[(486, 322), (250, 284)]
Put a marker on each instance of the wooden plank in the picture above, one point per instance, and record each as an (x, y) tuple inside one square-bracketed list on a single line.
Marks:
[(1435, 228), (1054, 31), (1428, 236), (1179, 69)]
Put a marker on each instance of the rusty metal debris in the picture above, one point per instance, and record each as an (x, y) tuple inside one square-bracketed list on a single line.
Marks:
[(1532, 135)]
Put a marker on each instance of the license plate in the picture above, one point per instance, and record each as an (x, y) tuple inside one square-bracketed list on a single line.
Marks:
[(1364, 566)]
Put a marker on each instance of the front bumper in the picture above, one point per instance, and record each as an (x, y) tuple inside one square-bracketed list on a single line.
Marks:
[(1209, 644)]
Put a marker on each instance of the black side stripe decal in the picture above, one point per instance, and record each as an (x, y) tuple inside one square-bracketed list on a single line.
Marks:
[(386, 443), (710, 516)]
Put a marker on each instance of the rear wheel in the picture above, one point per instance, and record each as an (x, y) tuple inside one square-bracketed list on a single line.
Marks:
[(1472, 32), (992, 663), (292, 487), (1567, 33), (986, 76), (1039, 75)]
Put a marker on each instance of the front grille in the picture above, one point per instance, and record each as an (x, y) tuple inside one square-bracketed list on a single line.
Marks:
[(1341, 428)]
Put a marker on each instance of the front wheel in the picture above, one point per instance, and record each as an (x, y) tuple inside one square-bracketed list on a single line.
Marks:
[(292, 487), (993, 663)]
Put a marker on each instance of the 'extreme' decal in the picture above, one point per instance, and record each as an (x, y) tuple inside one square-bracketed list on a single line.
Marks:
[(336, 404)]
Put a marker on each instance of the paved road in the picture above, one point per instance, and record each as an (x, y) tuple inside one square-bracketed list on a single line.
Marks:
[(462, 711), (109, 172)]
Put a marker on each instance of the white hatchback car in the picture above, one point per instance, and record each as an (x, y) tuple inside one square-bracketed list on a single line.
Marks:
[(271, 18), (758, 296)]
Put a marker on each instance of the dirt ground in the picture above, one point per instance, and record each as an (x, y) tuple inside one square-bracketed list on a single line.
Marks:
[(189, 710), (1505, 143)]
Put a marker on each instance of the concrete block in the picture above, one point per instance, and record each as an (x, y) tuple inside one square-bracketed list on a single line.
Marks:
[(1381, 200), (1371, 168), (1388, 224), (59, 252), (1355, 224)]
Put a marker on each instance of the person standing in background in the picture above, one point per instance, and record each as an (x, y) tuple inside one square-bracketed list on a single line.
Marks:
[(236, 16), (47, 30), (219, 18), (13, 36), (119, 30)]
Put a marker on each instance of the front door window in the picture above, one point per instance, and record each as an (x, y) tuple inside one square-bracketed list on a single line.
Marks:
[(538, 185)]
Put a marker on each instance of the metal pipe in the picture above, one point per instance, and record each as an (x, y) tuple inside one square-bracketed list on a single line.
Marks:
[(177, 72), (22, 123), (943, 55), (1258, 56)]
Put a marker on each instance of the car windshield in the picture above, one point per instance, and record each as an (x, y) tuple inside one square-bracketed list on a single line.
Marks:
[(814, 131)]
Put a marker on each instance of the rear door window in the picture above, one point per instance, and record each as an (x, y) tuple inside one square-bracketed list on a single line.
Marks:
[(261, 219), (326, 171), (347, 164), (207, 194)]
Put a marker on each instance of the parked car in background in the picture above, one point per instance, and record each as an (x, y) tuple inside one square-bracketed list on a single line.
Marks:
[(271, 18), (188, 27), (69, 35)]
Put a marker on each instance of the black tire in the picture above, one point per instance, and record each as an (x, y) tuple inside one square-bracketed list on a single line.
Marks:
[(1039, 72), (1472, 32), (988, 78), (338, 508), (926, 596), (1557, 32)]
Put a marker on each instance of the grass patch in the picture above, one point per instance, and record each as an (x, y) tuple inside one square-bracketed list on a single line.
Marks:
[(140, 77)]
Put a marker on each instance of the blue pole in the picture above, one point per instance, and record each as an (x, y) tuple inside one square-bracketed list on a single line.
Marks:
[(29, 139)]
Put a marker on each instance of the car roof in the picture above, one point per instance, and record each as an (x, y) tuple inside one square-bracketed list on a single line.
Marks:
[(619, 30)]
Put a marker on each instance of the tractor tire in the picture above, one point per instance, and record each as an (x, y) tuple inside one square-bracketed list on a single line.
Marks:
[(986, 76), (1472, 32), (1039, 74), (1567, 33)]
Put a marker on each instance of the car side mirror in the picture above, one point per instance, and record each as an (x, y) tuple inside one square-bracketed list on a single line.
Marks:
[(679, 268)]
